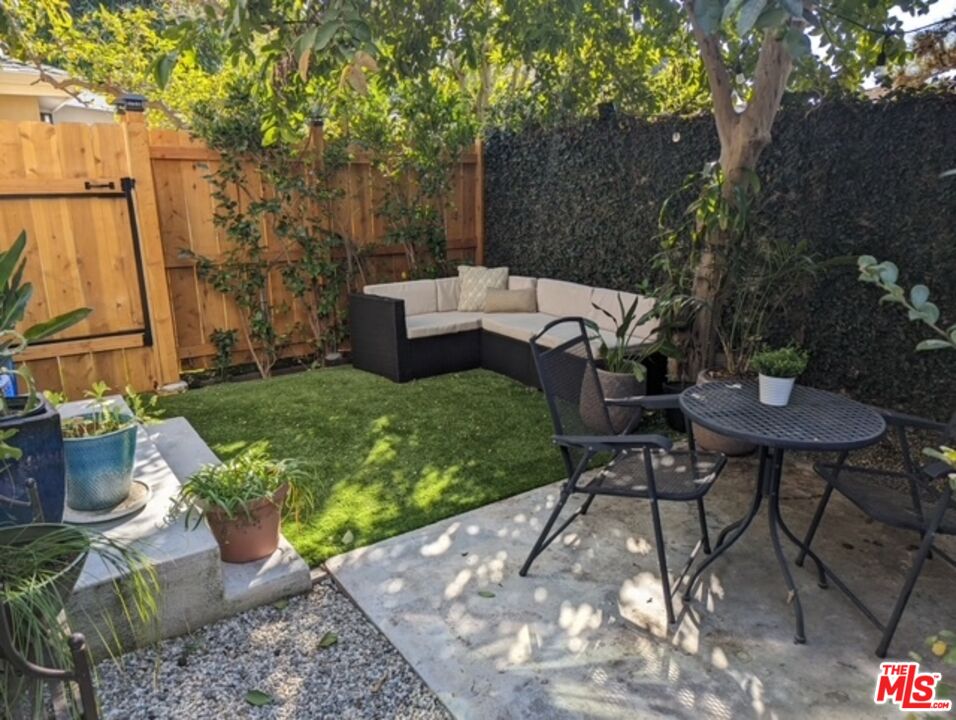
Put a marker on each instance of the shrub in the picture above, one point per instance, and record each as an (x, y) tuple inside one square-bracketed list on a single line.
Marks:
[(787, 362)]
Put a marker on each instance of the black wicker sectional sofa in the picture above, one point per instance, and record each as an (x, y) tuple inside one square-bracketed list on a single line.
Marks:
[(410, 330)]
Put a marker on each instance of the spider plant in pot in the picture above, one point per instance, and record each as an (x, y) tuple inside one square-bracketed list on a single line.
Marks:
[(39, 565), (100, 448), (243, 501), (28, 422), (620, 373), (778, 372)]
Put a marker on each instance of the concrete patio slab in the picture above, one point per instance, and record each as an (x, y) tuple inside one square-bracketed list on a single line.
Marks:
[(585, 636)]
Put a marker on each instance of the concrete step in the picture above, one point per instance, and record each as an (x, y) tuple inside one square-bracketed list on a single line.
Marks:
[(196, 587)]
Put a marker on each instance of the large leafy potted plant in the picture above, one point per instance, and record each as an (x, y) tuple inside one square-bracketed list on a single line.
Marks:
[(29, 425), (242, 500), (39, 565), (620, 373), (100, 448)]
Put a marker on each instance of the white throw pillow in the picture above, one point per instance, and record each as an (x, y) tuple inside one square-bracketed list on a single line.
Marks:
[(474, 283)]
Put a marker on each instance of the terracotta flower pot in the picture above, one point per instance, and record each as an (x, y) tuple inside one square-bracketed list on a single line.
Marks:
[(715, 442), (253, 533), (612, 385)]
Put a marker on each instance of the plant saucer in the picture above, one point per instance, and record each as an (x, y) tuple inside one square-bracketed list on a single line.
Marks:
[(139, 495)]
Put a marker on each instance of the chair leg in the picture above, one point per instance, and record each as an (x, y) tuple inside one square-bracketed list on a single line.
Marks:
[(539, 543), (907, 590), (702, 516), (662, 561), (814, 524)]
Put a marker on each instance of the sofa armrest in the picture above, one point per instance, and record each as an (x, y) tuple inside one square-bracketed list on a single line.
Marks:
[(378, 335)]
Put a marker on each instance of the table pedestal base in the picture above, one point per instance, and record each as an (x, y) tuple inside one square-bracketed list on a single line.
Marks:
[(768, 486)]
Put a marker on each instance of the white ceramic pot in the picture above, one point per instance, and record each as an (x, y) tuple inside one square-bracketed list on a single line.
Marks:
[(775, 391)]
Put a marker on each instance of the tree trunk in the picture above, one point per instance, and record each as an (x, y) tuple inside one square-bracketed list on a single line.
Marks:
[(743, 136)]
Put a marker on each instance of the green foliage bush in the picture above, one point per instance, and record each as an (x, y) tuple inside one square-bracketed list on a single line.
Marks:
[(849, 177), (786, 362)]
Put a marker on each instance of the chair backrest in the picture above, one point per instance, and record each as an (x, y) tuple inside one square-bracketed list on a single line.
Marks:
[(569, 379)]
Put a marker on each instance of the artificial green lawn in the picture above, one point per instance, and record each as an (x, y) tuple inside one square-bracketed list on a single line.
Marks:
[(383, 458)]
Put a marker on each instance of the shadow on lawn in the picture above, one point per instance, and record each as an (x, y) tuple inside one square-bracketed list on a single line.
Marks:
[(389, 491)]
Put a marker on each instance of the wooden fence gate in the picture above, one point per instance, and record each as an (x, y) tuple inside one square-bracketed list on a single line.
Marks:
[(108, 210), (85, 198)]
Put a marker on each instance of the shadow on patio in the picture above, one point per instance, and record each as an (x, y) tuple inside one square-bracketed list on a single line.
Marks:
[(585, 634)]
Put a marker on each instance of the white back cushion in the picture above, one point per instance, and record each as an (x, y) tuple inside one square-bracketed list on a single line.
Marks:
[(447, 293), (420, 296), (521, 282), (563, 299), (607, 299)]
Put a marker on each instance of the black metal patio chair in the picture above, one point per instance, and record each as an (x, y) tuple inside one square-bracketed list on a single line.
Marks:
[(912, 497), (640, 466)]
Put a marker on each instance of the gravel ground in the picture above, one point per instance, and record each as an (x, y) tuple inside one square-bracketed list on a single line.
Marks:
[(316, 657)]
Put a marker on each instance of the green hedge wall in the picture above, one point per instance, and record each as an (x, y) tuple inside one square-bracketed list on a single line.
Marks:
[(581, 203)]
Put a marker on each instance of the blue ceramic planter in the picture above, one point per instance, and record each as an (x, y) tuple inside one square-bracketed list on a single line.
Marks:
[(99, 470), (39, 438)]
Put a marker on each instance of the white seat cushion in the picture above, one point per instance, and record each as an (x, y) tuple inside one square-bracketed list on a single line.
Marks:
[(520, 326), (420, 296), (523, 326), (440, 323), (563, 299)]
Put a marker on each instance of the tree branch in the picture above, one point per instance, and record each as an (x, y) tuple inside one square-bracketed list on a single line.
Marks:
[(718, 77), (72, 87), (770, 80)]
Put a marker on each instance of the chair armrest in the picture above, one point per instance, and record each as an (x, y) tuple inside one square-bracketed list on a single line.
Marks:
[(378, 336), (902, 419), (613, 442), (648, 402)]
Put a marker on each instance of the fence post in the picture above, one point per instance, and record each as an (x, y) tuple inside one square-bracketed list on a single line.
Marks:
[(133, 119), (479, 202)]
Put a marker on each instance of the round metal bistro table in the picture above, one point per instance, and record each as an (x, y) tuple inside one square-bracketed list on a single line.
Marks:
[(813, 421)]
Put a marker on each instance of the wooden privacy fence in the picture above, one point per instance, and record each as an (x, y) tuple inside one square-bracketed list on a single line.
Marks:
[(186, 209), (109, 210)]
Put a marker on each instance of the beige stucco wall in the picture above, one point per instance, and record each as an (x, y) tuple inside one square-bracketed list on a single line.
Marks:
[(73, 114), (17, 107)]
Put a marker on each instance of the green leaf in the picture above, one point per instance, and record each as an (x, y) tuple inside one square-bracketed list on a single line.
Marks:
[(9, 259), (748, 15), (798, 45), (730, 9), (163, 68), (772, 17), (486, 594), (795, 8), (708, 13), (328, 640), (933, 344), (919, 294), (887, 271), (56, 325), (326, 33), (258, 698)]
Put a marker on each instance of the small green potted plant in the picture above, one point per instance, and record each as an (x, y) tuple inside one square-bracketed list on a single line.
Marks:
[(243, 501), (100, 448), (778, 372), (620, 373)]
